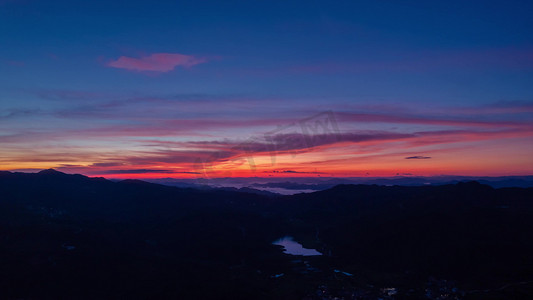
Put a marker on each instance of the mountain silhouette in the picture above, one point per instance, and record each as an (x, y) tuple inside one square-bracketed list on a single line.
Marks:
[(71, 236)]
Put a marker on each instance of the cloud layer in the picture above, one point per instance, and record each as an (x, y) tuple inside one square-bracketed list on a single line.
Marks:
[(115, 135), (157, 62)]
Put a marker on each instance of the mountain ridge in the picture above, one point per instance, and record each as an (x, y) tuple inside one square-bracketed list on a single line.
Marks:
[(168, 239)]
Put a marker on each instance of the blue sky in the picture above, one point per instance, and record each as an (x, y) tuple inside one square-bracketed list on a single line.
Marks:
[(67, 65)]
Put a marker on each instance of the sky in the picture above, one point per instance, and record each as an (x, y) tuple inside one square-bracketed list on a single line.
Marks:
[(186, 89)]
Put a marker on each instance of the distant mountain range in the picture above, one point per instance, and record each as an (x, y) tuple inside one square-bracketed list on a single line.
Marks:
[(309, 184), (70, 236)]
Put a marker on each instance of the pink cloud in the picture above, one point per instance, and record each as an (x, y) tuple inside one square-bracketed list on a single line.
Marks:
[(157, 62), (407, 119)]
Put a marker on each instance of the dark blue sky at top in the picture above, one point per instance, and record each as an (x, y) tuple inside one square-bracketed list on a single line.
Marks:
[(351, 51)]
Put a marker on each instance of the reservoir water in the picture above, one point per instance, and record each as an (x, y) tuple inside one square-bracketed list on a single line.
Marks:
[(294, 248)]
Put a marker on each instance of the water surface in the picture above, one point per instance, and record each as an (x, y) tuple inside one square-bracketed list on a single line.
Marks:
[(294, 248)]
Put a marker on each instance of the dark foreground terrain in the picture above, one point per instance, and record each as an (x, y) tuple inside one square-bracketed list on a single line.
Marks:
[(72, 237)]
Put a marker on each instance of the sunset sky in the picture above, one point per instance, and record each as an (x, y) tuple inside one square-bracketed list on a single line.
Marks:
[(184, 89)]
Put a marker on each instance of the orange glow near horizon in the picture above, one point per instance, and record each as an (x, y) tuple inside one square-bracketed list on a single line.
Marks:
[(326, 146), (475, 158)]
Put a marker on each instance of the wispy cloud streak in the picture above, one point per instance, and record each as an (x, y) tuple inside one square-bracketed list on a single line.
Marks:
[(157, 62)]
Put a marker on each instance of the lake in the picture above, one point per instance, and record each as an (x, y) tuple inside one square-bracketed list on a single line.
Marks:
[(294, 248)]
